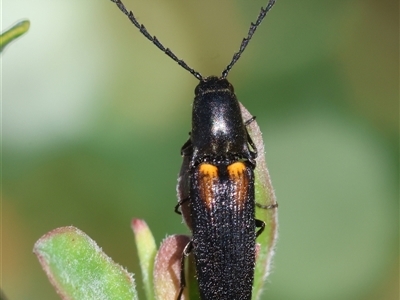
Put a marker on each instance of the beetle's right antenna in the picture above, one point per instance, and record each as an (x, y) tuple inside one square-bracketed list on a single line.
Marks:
[(155, 41), (247, 39)]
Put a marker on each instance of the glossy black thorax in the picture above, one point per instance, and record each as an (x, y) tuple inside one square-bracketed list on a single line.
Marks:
[(218, 132)]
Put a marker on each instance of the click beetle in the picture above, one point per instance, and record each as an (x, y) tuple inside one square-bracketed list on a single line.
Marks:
[(221, 158)]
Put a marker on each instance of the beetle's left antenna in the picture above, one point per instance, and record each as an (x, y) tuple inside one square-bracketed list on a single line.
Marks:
[(155, 41)]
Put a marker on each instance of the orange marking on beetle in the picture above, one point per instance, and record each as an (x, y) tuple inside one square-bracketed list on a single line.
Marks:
[(208, 170), (240, 180), (208, 177), (236, 169)]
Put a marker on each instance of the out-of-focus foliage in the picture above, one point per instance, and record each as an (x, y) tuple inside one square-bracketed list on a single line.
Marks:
[(94, 117), (14, 32)]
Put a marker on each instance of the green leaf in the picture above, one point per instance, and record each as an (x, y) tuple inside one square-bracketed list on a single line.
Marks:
[(14, 32), (79, 269), (264, 194), (147, 251)]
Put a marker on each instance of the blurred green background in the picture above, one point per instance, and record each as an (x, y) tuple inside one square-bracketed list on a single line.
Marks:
[(94, 116)]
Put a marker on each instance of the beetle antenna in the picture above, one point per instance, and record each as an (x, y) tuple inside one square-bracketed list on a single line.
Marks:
[(155, 41), (247, 39)]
